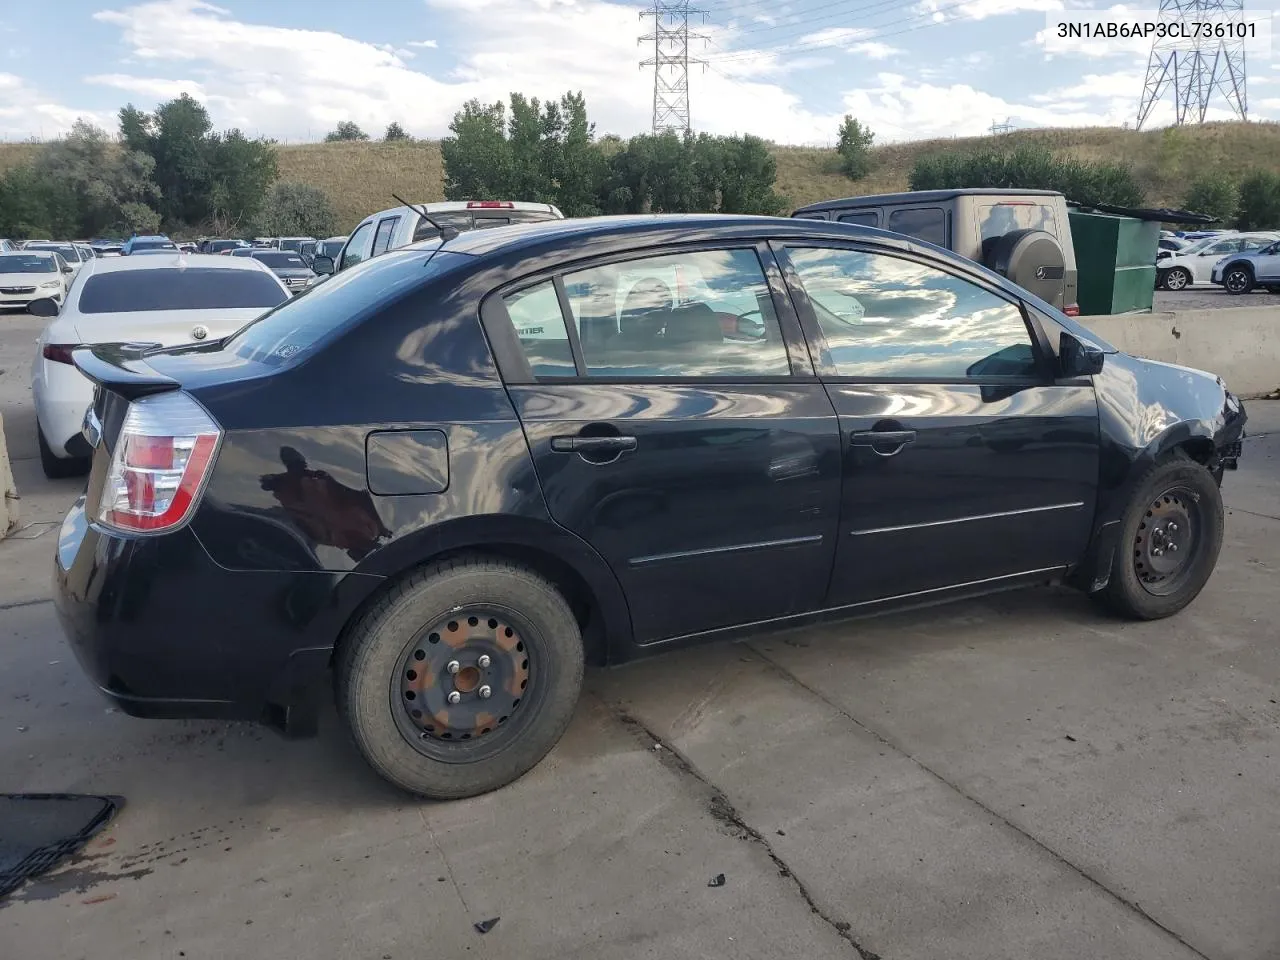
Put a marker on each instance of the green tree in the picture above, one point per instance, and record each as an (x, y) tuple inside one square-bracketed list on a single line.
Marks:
[(855, 148), (1259, 201), (477, 157), (582, 165), (345, 130), (395, 132), (32, 204), (181, 149), (746, 176), (1216, 196), (241, 173), (297, 210)]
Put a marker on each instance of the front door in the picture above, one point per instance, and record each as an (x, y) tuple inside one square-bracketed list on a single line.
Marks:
[(966, 463), (1266, 263), (675, 429)]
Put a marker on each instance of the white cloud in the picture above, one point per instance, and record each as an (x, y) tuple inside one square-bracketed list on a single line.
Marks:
[(982, 9), (25, 112), (875, 50), (832, 37), (156, 88), (429, 44)]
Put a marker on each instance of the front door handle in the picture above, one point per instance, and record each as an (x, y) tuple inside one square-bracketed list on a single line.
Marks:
[(593, 444), (883, 443)]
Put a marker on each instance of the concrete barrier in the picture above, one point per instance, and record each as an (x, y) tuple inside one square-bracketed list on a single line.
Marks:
[(1239, 344), (8, 491)]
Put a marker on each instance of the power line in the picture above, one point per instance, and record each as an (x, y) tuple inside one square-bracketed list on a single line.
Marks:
[(670, 62), (1196, 72)]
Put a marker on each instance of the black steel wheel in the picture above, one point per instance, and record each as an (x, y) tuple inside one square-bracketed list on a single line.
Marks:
[(462, 677), (1170, 540)]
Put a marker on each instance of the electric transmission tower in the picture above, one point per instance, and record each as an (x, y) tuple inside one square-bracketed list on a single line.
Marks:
[(1196, 68), (670, 62)]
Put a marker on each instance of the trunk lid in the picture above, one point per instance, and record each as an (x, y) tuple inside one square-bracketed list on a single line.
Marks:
[(166, 328)]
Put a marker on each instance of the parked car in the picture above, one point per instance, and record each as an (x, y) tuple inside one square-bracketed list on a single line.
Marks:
[(391, 229), (1195, 264), (189, 247), (1243, 272), (1168, 246), (69, 252), (294, 244), (1024, 235), (329, 248), (7, 246), (288, 266), (542, 452), (167, 300), (137, 244), (27, 275), (222, 246)]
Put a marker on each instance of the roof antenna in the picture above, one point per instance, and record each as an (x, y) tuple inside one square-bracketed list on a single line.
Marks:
[(446, 233)]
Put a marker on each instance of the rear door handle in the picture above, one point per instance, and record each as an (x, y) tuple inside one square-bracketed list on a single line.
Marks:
[(881, 440), (592, 444)]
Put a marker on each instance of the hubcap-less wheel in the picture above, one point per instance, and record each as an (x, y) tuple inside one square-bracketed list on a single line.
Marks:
[(1176, 279), (462, 679), (1168, 536), (1237, 281)]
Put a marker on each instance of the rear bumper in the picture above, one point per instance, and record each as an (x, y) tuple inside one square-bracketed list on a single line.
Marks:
[(165, 632)]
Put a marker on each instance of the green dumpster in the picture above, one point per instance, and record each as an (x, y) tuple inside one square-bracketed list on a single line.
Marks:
[(1115, 262)]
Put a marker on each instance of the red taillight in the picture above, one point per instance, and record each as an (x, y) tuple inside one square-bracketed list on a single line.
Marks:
[(490, 205), (162, 456), (1072, 309), (58, 352)]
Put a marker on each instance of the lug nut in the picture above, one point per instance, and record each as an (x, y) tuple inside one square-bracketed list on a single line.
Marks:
[(1173, 547), (455, 697), (453, 666), (485, 692), (484, 661), (1157, 552)]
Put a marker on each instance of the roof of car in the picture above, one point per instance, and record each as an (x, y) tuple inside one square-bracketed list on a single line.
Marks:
[(923, 196), (174, 261)]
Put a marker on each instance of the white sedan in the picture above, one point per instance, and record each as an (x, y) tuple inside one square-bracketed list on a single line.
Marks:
[(1195, 263), (166, 299), (32, 275)]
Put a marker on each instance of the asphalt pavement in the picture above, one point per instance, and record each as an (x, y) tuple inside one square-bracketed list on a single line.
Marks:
[(1015, 777)]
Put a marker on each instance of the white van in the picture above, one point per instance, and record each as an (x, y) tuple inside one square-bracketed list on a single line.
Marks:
[(398, 226)]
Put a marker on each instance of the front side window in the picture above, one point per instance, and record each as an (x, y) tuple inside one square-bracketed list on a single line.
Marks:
[(924, 223), (1221, 249), (887, 317), (200, 288), (354, 251), (698, 314), (382, 239)]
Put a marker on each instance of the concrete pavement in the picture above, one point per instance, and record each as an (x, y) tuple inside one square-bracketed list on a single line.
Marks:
[(1014, 777)]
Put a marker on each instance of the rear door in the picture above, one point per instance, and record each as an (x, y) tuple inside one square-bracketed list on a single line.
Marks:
[(677, 426), (966, 462)]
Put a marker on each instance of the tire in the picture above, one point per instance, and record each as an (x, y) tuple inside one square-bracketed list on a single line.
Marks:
[(410, 626), (1174, 483), (55, 467), (1238, 280), (1178, 278)]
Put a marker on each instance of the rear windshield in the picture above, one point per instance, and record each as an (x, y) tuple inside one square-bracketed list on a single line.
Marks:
[(17, 263), (479, 219), (152, 245), (292, 330), (199, 288), (280, 260)]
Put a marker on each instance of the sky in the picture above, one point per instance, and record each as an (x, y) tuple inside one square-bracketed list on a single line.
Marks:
[(786, 71)]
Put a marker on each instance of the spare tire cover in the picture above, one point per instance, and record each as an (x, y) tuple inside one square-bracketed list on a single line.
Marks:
[(1033, 260)]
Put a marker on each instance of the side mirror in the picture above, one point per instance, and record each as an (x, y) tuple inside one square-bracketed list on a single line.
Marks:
[(1079, 357), (68, 268), (44, 307), (323, 265)]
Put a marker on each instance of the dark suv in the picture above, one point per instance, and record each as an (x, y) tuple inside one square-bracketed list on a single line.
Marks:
[(451, 474)]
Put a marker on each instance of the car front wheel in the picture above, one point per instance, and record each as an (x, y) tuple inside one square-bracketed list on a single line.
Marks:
[(462, 677), (1170, 539), (1179, 278), (1238, 280)]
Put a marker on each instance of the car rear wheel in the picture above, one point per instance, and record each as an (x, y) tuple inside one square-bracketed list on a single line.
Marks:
[(1238, 280), (461, 678), (1179, 278), (55, 467), (1170, 539)]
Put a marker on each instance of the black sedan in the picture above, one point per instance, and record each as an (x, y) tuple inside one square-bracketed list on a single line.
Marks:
[(288, 266), (443, 479)]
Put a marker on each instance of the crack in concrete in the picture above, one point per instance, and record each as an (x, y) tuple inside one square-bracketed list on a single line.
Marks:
[(1252, 513), (1039, 844), (722, 809), (25, 603)]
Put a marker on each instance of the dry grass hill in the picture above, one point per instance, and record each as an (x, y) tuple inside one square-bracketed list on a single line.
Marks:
[(360, 177)]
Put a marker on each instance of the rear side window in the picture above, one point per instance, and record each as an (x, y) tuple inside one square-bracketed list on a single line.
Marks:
[(539, 325), (864, 218), (923, 223), (199, 288), (382, 239)]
